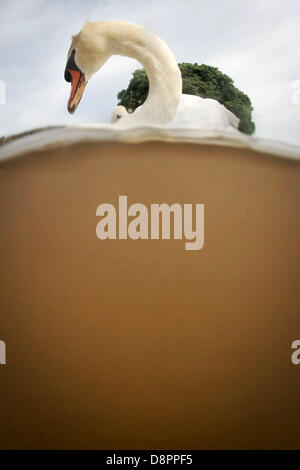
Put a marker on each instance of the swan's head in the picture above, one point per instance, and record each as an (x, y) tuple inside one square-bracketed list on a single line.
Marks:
[(89, 50), (118, 113)]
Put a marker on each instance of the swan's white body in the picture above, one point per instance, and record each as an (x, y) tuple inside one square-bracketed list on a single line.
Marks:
[(165, 104), (193, 113)]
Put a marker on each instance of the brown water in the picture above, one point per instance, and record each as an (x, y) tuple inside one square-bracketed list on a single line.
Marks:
[(121, 344)]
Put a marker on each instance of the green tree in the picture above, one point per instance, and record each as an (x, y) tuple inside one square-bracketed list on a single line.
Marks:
[(202, 80)]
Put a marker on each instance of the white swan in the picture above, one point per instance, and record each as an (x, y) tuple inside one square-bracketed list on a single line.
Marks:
[(118, 113), (165, 104)]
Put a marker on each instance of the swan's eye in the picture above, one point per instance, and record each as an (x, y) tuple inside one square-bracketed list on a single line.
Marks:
[(118, 116)]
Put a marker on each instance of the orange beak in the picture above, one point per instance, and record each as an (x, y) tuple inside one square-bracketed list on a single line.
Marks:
[(77, 88)]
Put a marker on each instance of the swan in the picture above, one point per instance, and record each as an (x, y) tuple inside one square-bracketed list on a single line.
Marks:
[(118, 113), (165, 104)]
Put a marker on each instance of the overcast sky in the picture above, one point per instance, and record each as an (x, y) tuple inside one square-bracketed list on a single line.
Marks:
[(256, 43)]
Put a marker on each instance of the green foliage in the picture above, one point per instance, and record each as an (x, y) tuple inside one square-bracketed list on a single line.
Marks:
[(202, 80)]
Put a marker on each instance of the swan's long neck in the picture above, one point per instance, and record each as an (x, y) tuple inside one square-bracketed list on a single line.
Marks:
[(165, 83)]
